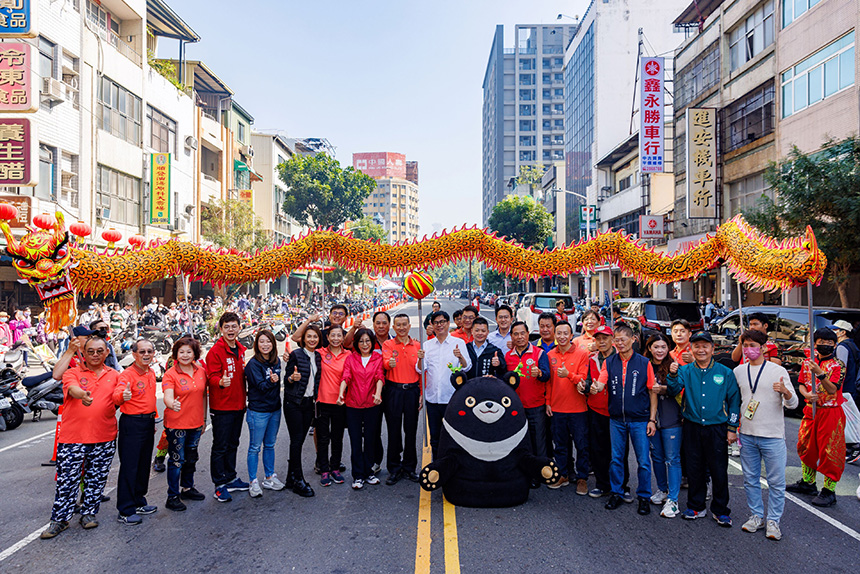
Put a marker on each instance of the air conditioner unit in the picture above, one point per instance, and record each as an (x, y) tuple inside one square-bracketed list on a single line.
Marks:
[(181, 225), (53, 90), (103, 213), (191, 142)]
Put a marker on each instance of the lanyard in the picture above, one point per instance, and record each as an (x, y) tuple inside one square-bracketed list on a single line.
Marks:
[(753, 387)]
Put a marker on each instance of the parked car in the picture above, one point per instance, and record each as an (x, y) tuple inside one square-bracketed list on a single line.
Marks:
[(514, 301), (533, 304), (789, 329), (656, 315)]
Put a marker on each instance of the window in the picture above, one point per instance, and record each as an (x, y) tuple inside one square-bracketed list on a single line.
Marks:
[(527, 64), (752, 36), (547, 78), (627, 182), (747, 193), (697, 77), (119, 111), (792, 9), (819, 76), (629, 223), (69, 188), (527, 79), (45, 189), (527, 95), (527, 156), (527, 140), (120, 194), (748, 118), (163, 132), (281, 160), (527, 125), (527, 110), (46, 58)]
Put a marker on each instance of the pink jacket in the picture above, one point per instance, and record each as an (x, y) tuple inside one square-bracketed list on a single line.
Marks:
[(361, 380)]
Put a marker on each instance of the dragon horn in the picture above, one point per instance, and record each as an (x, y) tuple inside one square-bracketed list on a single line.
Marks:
[(11, 244)]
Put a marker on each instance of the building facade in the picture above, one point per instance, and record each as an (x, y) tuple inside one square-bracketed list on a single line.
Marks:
[(394, 202)]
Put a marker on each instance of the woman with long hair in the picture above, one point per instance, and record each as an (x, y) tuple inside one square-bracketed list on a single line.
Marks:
[(263, 376), (330, 416), (301, 386)]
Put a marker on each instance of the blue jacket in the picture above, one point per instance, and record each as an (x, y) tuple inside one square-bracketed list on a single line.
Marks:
[(264, 395), (629, 397), (711, 396)]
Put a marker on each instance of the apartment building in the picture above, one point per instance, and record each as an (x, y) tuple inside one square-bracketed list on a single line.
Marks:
[(394, 202)]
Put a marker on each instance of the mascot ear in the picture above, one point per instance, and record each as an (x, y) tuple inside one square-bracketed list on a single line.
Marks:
[(458, 379), (512, 379)]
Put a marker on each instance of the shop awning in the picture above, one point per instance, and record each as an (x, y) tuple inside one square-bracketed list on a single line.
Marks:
[(163, 21), (239, 165)]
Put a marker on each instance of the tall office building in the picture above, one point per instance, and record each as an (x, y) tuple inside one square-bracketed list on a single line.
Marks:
[(523, 111), (394, 202)]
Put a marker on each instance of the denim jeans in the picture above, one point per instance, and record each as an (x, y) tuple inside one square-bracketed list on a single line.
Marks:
[(619, 431), (182, 452), (666, 454), (772, 451), (564, 427), (262, 431)]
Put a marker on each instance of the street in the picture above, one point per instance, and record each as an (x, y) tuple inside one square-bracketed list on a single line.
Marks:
[(402, 528)]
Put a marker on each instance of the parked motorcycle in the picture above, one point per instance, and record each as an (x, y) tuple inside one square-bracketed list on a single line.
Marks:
[(280, 331), (44, 394), (12, 359), (11, 400)]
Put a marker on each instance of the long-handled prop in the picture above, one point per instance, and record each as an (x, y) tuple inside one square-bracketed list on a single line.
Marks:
[(418, 285)]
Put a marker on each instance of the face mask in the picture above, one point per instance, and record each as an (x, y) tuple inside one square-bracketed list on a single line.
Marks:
[(752, 353), (824, 350), (4, 319)]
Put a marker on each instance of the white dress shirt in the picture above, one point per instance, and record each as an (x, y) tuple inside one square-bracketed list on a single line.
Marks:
[(438, 388)]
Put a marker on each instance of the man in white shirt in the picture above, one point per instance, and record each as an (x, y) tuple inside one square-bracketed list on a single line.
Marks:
[(502, 337), (765, 390), (440, 352)]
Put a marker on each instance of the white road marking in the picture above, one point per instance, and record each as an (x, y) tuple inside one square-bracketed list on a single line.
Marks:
[(25, 441), (811, 509)]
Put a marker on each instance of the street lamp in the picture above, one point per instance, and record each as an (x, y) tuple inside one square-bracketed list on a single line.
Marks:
[(587, 228), (560, 16)]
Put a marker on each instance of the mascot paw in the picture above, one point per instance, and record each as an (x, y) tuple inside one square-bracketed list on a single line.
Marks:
[(549, 473), (429, 479)]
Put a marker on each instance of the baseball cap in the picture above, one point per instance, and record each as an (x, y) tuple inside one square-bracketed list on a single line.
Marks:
[(701, 336), (81, 331), (604, 330), (842, 324)]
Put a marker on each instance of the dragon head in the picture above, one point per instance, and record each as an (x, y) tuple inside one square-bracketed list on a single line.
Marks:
[(811, 260)]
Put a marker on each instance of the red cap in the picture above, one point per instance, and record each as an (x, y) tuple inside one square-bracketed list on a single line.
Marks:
[(604, 330)]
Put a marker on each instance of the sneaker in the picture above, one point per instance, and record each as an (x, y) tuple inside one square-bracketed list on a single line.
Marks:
[(158, 464), (802, 487), (272, 483), (723, 520), (255, 491), (173, 503), (659, 497), (581, 487), (773, 532), (357, 484), (851, 456), (237, 484), (735, 450), (54, 528), (753, 523), (597, 493), (691, 514), (146, 509), (562, 481), (670, 509), (372, 479), (337, 477), (89, 521), (628, 496), (222, 494), (192, 494), (326, 480), (311, 431), (644, 506), (613, 502), (376, 468), (824, 499), (132, 519)]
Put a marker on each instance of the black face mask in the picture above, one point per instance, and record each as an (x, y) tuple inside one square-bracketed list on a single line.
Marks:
[(824, 351)]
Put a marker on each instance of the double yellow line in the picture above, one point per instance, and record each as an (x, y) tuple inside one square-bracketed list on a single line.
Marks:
[(422, 545)]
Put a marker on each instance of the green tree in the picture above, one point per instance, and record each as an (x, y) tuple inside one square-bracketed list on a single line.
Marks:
[(531, 176), (364, 228), (232, 223), (321, 193), (822, 190), (494, 281), (522, 219), (451, 275)]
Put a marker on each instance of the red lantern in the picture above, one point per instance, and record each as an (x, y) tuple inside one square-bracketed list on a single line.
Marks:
[(80, 229), (136, 240), (111, 236), (8, 211), (44, 221)]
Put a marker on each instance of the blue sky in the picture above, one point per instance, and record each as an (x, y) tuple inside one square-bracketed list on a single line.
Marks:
[(373, 75)]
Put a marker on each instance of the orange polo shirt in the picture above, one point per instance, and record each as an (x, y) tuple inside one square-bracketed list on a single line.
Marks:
[(191, 392), (406, 357), (142, 385), (331, 375), (561, 392), (583, 341), (460, 334), (677, 352), (97, 422)]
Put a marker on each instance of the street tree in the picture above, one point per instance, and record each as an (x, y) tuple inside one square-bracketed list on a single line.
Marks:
[(822, 190), (321, 193), (531, 176), (522, 219), (233, 223)]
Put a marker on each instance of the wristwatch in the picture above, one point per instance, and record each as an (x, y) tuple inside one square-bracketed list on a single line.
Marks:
[(821, 376)]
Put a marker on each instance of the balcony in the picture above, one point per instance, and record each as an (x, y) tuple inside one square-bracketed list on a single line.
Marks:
[(210, 188)]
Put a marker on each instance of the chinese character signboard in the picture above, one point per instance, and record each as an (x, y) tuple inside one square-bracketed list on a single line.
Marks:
[(701, 163), (18, 18), (651, 227), (380, 164), (247, 196), (18, 154), (25, 210), (159, 189), (17, 78), (651, 115)]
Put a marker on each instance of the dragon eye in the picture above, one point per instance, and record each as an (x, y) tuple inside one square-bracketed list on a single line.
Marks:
[(470, 401), (807, 245), (506, 402), (61, 252), (23, 264)]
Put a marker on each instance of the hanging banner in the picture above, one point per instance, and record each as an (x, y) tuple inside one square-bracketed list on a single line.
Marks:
[(17, 79), (159, 189), (651, 115), (18, 153), (701, 163), (18, 19)]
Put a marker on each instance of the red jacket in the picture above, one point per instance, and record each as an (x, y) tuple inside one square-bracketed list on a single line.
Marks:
[(220, 361), (361, 380)]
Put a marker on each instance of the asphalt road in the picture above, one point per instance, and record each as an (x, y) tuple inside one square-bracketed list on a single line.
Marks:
[(401, 528)]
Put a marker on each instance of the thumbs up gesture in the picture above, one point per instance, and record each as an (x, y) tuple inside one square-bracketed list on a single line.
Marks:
[(457, 352), (779, 386), (177, 404), (88, 399), (225, 381), (126, 394), (495, 361), (392, 362), (295, 377)]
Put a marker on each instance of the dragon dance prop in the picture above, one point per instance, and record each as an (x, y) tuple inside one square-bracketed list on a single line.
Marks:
[(57, 270)]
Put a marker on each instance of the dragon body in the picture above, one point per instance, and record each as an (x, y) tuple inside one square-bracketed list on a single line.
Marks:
[(42, 258)]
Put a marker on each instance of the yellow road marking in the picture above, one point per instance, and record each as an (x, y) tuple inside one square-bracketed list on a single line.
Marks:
[(422, 545), (452, 546)]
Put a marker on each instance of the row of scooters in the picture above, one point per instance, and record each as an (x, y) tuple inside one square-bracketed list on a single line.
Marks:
[(22, 395)]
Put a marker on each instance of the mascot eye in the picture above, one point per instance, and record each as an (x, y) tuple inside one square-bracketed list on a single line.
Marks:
[(506, 402), (470, 402)]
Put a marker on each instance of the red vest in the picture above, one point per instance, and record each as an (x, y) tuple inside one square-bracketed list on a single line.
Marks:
[(531, 391)]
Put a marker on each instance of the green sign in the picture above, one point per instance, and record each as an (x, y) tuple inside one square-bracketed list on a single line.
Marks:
[(159, 189)]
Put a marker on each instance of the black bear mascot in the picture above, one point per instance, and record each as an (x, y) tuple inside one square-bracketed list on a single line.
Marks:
[(485, 457)]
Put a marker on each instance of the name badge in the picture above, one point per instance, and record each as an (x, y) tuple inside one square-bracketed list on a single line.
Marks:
[(751, 408)]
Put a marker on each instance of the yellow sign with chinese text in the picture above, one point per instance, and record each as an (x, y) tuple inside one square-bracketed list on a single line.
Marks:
[(159, 189)]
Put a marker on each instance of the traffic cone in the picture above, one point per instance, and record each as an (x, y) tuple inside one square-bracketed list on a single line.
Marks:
[(53, 461)]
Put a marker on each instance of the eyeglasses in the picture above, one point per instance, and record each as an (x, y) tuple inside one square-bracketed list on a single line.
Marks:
[(147, 352), (337, 314), (94, 352), (442, 322)]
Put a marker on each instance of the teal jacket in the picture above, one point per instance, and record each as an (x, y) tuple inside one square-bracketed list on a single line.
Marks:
[(711, 396)]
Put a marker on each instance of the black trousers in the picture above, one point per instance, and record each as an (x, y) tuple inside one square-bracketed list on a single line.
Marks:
[(298, 418), (363, 425), (400, 403), (329, 426), (135, 441), (378, 449), (707, 452), (435, 416), (600, 451), (226, 431)]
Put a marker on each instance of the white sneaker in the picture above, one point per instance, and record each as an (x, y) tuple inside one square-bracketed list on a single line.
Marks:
[(659, 497), (272, 483), (357, 484), (670, 509), (255, 491), (773, 531), (735, 450), (754, 523), (372, 479), (375, 469)]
